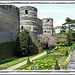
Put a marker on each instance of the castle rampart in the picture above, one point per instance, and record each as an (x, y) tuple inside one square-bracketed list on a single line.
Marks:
[(9, 23)]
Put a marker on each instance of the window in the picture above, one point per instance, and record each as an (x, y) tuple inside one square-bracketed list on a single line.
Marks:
[(26, 11), (45, 31), (48, 20), (21, 27)]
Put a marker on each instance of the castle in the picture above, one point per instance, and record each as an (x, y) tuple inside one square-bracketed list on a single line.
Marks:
[(13, 20)]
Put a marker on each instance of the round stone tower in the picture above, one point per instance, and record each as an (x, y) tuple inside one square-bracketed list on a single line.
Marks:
[(47, 25), (28, 20)]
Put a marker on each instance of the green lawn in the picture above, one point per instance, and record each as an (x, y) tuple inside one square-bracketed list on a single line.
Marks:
[(62, 49), (13, 61), (45, 62)]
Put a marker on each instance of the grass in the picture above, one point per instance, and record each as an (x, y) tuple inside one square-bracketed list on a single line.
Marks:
[(13, 61), (62, 49), (45, 62), (63, 60)]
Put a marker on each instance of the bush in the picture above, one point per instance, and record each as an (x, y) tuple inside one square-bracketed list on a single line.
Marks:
[(56, 65), (73, 46), (28, 61), (24, 44), (38, 46), (66, 54)]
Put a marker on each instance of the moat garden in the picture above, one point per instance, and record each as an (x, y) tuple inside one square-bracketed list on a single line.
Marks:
[(45, 62)]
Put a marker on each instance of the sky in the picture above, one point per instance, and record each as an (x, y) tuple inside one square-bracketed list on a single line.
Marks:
[(59, 12)]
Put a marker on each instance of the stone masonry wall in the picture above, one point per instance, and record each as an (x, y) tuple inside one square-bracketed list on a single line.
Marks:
[(28, 20), (9, 23), (47, 25), (39, 27)]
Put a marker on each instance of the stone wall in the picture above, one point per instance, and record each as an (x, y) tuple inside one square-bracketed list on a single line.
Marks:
[(9, 23), (39, 26)]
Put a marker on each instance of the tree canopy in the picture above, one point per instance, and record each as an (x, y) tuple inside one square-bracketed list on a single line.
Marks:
[(46, 40), (24, 43)]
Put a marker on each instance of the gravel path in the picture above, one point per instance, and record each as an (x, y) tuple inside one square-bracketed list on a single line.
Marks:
[(24, 62)]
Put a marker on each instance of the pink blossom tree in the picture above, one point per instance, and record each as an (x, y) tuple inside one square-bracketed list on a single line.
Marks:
[(47, 41)]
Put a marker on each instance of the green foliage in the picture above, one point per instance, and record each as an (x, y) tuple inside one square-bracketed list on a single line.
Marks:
[(6, 49), (46, 62), (56, 65), (69, 21), (61, 39), (73, 46), (24, 44), (63, 29), (53, 29), (70, 37), (38, 46), (66, 53), (28, 61)]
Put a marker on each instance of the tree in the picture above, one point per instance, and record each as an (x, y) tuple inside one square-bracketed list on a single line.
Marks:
[(28, 61), (47, 41), (25, 43), (62, 39), (69, 21), (66, 54), (69, 37), (56, 65), (63, 29)]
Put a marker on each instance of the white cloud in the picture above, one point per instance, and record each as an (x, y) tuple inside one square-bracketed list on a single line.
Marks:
[(58, 22)]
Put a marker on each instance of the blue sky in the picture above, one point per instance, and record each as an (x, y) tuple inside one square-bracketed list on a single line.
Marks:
[(59, 12)]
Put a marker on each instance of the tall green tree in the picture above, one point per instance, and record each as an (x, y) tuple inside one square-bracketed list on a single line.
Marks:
[(69, 37), (69, 21), (25, 43), (63, 29)]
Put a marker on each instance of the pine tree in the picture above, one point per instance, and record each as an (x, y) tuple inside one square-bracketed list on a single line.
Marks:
[(57, 66), (66, 54), (28, 61)]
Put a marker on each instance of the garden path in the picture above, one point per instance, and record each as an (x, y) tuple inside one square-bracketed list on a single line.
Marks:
[(24, 62)]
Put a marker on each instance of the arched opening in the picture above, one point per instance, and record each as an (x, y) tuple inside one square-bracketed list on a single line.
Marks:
[(26, 11)]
